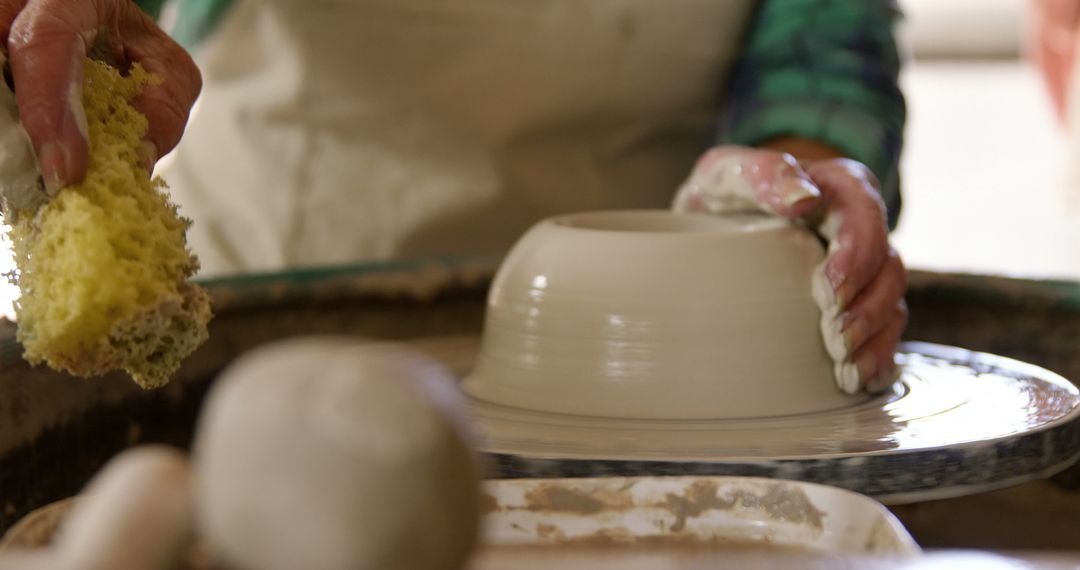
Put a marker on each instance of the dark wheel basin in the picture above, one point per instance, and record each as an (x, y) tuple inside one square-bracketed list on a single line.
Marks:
[(57, 431)]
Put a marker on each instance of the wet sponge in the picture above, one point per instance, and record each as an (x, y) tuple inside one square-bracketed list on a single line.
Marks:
[(103, 267)]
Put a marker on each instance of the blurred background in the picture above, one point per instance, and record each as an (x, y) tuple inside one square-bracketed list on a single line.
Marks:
[(984, 173), (984, 170)]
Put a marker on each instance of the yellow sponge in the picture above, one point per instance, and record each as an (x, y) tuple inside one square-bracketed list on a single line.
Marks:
[(103, 267)]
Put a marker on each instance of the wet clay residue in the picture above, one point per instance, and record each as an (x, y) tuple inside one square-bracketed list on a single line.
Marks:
[(624, 538), (553, 498), (781, 502), (488, 504), (550, 532), (37, 529), (700, 497), (617, 536), (881, 537)]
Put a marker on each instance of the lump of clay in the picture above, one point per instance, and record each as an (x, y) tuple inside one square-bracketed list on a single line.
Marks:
[(134, 515), (329, 453)]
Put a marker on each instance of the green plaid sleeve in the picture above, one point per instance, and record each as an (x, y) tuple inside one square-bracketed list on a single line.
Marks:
[(825, 70), (196, 19), (151, 7)]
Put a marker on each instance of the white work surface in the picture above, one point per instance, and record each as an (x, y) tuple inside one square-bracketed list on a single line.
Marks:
[(983, 173)]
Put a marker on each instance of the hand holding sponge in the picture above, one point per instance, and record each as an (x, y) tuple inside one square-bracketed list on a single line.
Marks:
[(103, 267)]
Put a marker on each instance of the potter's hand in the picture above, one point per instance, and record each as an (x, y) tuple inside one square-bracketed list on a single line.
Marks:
[(861, 284), (47, 41)]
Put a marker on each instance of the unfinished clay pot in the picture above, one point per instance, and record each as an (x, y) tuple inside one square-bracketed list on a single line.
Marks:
[(657, 315)]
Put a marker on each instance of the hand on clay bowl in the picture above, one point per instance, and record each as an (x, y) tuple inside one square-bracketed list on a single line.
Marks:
[(658, 315), (861, 284)]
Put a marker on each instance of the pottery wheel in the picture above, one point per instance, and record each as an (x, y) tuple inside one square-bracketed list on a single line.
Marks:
[(957, 422)]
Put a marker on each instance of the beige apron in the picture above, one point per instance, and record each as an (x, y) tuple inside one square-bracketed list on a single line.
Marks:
[(334, 131)]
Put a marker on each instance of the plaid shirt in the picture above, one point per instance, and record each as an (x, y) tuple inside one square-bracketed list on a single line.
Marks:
[(824, 70)]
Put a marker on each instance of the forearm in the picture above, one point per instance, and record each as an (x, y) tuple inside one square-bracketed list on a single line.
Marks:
[(803, 148)]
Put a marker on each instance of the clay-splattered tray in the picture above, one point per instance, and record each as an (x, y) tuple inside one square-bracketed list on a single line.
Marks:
[(726, 513)]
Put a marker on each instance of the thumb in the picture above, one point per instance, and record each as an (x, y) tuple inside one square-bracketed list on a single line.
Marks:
[(731, 179), (47, 48)]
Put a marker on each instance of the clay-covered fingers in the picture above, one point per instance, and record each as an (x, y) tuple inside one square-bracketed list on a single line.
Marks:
[(166, 104), (875, 360), (860, 285), (854, 224), (862, 282), (875, 307), (730, 179), (47, 43), (869, 329)]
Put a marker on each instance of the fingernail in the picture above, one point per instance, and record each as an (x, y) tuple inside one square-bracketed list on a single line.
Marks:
[(854, 329), (836, 277), (835, 343), (76, 111), (840, 299), (884, 380), (795, 190), (867, 366), (52, 161), (148, 154), (824, 294)]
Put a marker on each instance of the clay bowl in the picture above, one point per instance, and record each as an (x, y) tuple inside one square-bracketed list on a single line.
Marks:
[(647, 314)]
